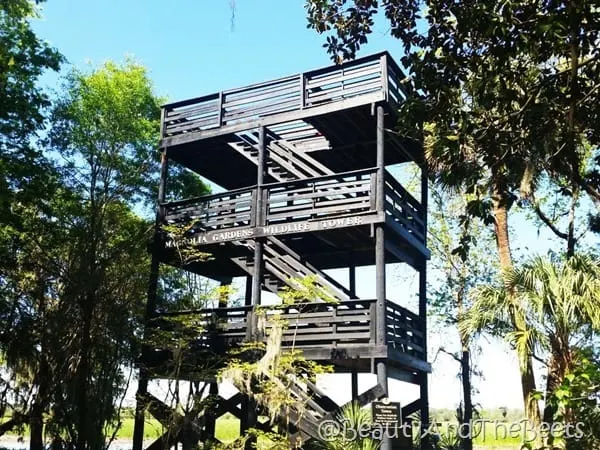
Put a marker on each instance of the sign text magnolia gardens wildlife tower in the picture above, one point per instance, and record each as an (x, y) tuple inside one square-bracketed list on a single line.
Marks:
[(216, 236)]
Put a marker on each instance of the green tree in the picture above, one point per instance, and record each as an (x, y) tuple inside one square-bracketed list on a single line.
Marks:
[(461, 261), (24, 172), (558, 299), (507, 91), (105, 129), (575, 401), (27, 184), (23, 59)]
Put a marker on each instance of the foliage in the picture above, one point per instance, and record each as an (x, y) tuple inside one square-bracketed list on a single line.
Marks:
[(352, 417), (501, 95), (271, 376), (460, 256), (304, 290), (24, 172), (576, 401), (273, 379), (179, 235), (28, 184), (558, 300)]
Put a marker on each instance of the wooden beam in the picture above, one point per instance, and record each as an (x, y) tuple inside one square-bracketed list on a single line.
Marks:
[(402, 374), (382, 380), (411, 408), (168, 440), (379, 231), (370, 395), (409, 361)]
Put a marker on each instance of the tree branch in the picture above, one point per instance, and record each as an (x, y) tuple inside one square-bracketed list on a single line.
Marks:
[(544, 218)]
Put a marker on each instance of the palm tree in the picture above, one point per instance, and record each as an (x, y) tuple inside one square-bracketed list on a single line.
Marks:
[(353, 418), (558, 301)]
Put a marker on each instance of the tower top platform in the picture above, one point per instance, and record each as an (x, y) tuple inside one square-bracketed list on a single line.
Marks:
[(363, 81), (326, 113)]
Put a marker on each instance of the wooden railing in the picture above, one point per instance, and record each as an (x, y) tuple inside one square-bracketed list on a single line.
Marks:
[(361, 77), (211, 212), (345, 323), (327, 324), (338, 196), (320, 198), (397, 88), (404, 330), (403, 208)]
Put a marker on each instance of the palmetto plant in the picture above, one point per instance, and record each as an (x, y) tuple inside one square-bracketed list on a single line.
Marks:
[(352, 417), (558, 300)]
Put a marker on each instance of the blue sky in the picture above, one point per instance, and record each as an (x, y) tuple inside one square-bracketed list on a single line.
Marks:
[(192, 47), (196, 47)]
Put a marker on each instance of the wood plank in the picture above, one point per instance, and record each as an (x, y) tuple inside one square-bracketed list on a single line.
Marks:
[(327, 96), (263, 110), (308, 194), (195, 109), (261, 97), (254, 86), (352, 86), (322, 206), (328, 337), (291, 150), (365, 99), (321, 80), (187, 127)]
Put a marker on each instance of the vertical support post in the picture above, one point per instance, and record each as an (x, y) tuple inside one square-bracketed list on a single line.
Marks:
[(379, 231), (220, 113), (163, 114), (352, 280), (248, 292), (354, 383), (260, 216), (249, 418), (384, 76), (423, 382), (381, 367), (211, 419), (249, 415), (138, 429), (302, 91), (219, 343)]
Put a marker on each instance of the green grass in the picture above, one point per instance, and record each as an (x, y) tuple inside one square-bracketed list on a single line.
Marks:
[(494, 436), (227, 430)]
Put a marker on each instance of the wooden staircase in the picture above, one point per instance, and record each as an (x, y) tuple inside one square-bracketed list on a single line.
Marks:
[(283, 266), (285, 162)]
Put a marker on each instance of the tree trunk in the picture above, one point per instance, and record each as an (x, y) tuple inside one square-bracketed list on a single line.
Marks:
[(36, 425), (82, 379), (500, 211), (465, 364), (552, 382), (558, 367), (571, 239), (465, 367), (36, 417)]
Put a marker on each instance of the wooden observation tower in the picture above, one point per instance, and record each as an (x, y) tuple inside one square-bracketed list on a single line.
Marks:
[(302, 164)]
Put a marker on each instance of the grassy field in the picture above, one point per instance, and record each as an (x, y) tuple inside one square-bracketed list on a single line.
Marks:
[(228, 430)]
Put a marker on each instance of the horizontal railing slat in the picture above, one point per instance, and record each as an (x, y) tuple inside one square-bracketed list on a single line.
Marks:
[(321, 86)]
